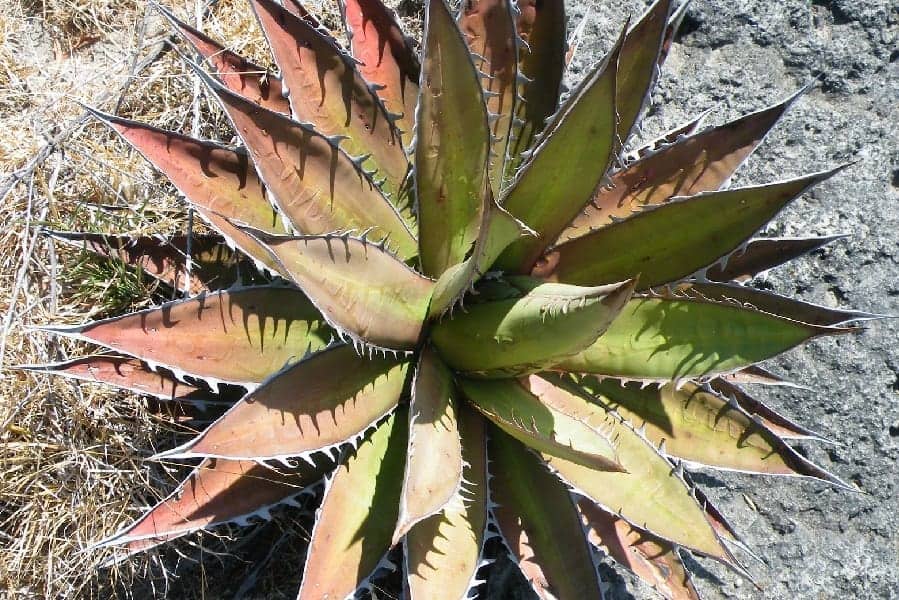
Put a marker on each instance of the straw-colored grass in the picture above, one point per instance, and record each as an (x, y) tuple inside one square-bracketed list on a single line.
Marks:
[(72, 468)]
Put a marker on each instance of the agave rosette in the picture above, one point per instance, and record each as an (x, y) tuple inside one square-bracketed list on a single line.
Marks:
[(483, 315)]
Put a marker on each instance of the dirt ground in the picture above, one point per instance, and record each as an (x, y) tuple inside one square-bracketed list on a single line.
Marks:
[(71, 468)]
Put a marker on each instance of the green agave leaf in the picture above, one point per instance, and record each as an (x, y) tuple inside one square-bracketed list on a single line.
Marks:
[(433, 441), (238, 74), (539, 524), (568, 162), (219, 182), (777, 423), (557, 431), (217, 491), (649, 495), (652, 559), (653, 243), (541, 65), (443, 552), (703, 428), (638, 65), (321, 402), (213, 264), (768, 302), (699, 163), (127, 374), (763, 254), (317, 187), (489, 30), (452, 142), (663, 339), (525, 334), (238, 337), (360, 288), (356, 519), (326, 89), (386, 58)]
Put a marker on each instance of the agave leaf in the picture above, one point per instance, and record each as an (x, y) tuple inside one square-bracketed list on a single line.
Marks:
[(789, 308), (356, 519), (318, 187), (326, 89), (649, 494), (660, 339), (666, 139), (433, 440), (700, 163), (315, 405), (213, 264), (703, 428), (541, 65), (568, 163), (452, 143), (359, 287), (489, 30), (217, 491), (238, 74), (539, 524), (556, 431), (763, 254), (443, 552), (674, 23), (524, 334), (653, 243), (127, 374), (386, 58), (756, 374), (638, 65), (238, 337), (652, 559), (777, 423), (219, 182)]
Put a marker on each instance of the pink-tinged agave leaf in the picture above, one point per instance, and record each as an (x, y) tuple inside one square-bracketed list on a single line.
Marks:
[(762, 254), (360, 288), (539, 523), (238, 337), (221, 183), (217, 491), (558, 431), (531, 331), (541, 65), (489, 30), (664, 339), (355, 522), (780, 425), (678, 133), (316, 185), (788, 308), (650, 494), (653, 243), (315, 405), (325, 88), (498, 229), (386, 58), (638, 65), (127, 374), (452, 145), (653, 560), (237, 73), (433, 440), (758, 375), (674, 23), (560, 177), (443, 552), (213, 265), (700, 163), (703, 428)]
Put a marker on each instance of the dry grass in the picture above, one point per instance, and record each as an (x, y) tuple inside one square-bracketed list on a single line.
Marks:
[(71, 456)]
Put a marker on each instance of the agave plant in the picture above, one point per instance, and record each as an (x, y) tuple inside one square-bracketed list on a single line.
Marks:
[(452, 292)]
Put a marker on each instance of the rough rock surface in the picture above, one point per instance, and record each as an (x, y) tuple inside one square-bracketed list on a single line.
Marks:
[(737, 57)]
